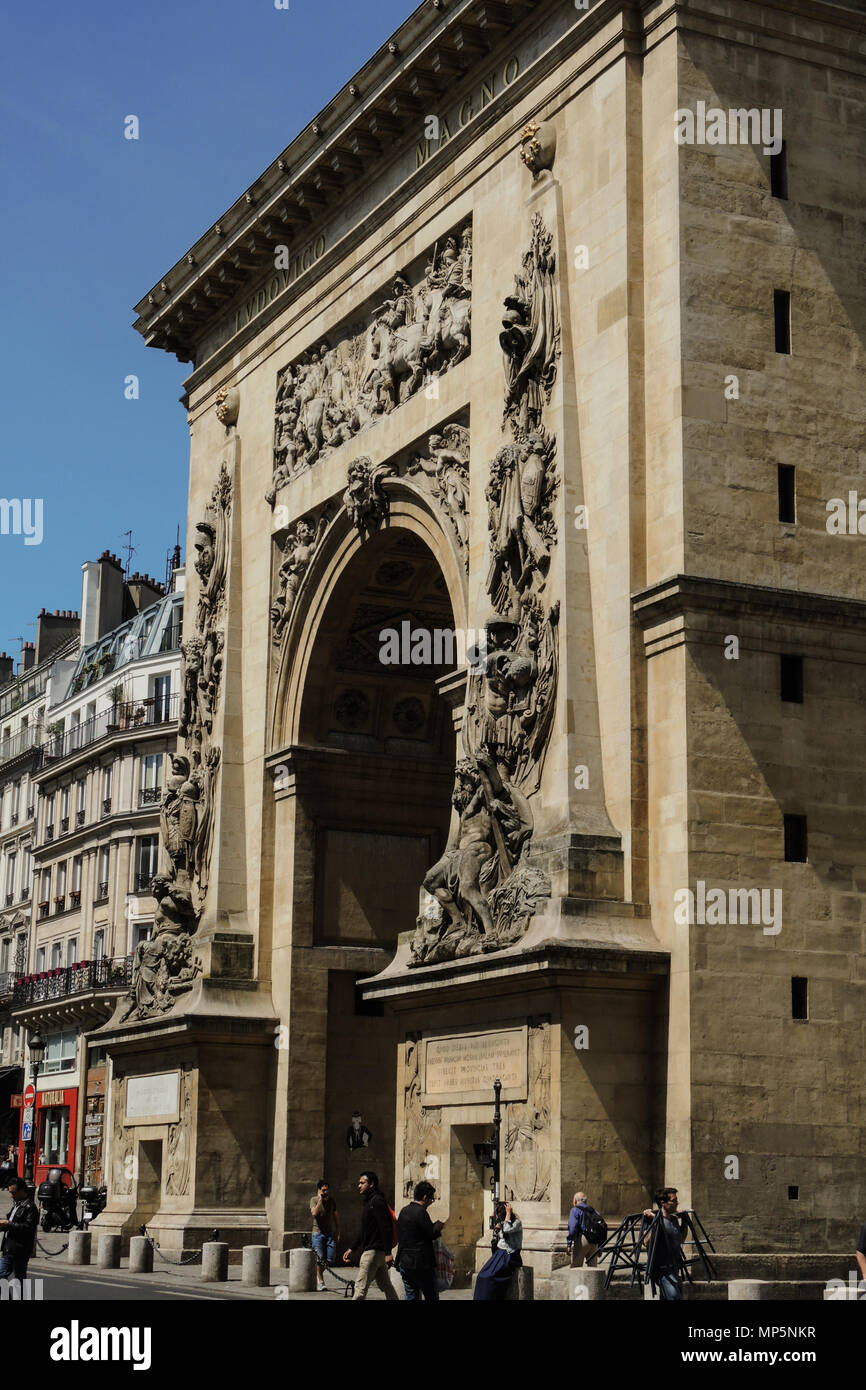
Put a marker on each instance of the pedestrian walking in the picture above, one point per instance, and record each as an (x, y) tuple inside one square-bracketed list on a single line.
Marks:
[(416, 1257), (580, 1244), (8, 1169), (19, 1231), (326, 1230), (494, 1277), (667, 1259), (374, 1241)]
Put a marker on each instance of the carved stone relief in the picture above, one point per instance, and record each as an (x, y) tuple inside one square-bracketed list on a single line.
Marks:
[(422, 1128), (179, 1145), (339, 389), (527, 1126), (122, 1145), (444, 472), (164, 967), (483, 892), (299, 548)]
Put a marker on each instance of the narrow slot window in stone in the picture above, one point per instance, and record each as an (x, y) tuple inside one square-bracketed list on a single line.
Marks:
[(787, 493), (796, 844), (779, 173), (799, 997), (782, 316), (791, 679)]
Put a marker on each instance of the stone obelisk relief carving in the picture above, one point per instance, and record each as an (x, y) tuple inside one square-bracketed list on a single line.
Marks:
[(165, 966), (484, 891), (342, 386)]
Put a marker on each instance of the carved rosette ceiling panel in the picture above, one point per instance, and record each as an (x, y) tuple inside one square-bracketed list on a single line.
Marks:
[(484, 890), (345, 383), (165, 967)]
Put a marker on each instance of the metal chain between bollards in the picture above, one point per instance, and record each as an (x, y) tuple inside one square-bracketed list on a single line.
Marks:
[(192, 1259), (50, 1253)]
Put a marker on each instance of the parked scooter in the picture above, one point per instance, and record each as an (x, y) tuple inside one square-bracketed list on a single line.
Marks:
[(93, 1201), (58, 1198)]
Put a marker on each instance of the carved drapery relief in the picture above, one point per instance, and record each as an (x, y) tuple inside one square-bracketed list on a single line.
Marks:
[(164, 967), (422, 1128), (483, 892), (338, 390), (527, 1126), (179, 1145)]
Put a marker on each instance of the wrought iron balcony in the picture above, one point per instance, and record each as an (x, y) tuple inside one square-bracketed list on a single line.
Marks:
[(109, 973), (10, 898), (143, 882), (134, 714), (75, 897), (106, 806), (64, 825), (49, 832), (14, 818), (101, 892), (79, 817), (60, 903), (149, 796)]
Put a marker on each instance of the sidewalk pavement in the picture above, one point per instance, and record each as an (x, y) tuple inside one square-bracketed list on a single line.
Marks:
[(51, 1257)]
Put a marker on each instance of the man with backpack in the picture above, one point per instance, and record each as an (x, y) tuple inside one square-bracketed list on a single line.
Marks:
[(374, 1242), (587, 1230)]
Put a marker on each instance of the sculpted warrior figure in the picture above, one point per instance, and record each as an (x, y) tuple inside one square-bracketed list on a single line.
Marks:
[(299, 549), (165, 960), (178, 818), (447, 471), (494, 822)]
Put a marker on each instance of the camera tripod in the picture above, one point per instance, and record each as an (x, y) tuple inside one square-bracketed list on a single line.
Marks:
[(626, 1251)]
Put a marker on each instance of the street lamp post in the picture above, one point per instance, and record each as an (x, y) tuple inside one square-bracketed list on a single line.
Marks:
[(36, 1048)]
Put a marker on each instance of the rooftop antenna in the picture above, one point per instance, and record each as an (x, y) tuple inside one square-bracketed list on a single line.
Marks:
[(130, 551)]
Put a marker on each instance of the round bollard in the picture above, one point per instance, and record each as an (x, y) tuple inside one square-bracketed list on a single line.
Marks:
[(302, 1270), (140, 1255), (108, 1252), (79, 1248), (215, 1261), (256, 1266)]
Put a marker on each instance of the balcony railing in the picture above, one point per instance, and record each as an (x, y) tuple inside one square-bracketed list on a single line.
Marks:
[(106, 806), (75, 897), (19, 743), (134, 714), (63, 981), (64, 825), (149, 796), (143, 882), (79, 817), (14, 818), (49, 832), (101, 891)]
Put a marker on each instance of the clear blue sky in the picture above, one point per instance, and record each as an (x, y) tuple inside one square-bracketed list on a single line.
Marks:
[(92, 220)]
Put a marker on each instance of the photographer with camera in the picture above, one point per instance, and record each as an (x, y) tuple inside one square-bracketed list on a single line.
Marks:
[(494, 1278)]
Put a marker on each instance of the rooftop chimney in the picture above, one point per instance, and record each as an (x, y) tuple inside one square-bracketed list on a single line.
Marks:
[(143, 591), (102, 595), (28, 657), (6, 667), (53, 630)]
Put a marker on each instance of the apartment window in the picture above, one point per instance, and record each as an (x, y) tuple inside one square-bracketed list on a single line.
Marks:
[(10, 878), (796, 842), (161, 698), (60, 885), (102, 873), (787, 493), (146, 852), (799, 997), (64, 808), (4, 956), (72, 950), (59, 1052), (54, 1130), (75, 729), (151, 779), (141, 932), (16, 801), (26, 871), (779, 173), (45, 890), (782, 320), (56, 955), (77, 869), (98, 944), (106, 787), (40, 960), (80, 800), (791, 679), (49, 815), (21, 953)]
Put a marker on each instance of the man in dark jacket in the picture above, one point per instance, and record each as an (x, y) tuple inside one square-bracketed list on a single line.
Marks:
[(374, 1241), (415, 1255), (19, 1232)]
